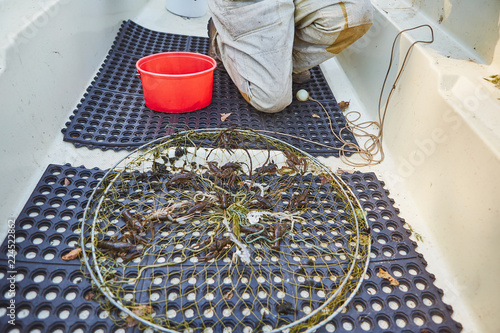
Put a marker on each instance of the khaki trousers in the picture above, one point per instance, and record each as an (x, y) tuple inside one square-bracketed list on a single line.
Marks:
[(261, 42)]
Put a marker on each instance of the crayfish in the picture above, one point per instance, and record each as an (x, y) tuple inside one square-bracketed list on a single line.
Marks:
[(270, 168), (132, 222), (216, 248), (198, 206), (225, 199), (227, 172), (299, 200), (294, 163), (285, 308), (168, 213), (124, 250), (277, 232), (260, 202), (183, 178), (250, 229)]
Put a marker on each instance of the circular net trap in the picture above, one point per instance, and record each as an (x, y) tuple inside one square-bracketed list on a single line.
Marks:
[(223, 230)]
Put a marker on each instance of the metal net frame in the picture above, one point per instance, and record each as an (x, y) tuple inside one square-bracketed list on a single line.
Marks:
[(223, 230)]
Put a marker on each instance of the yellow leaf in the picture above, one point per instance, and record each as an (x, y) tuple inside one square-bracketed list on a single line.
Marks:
[(344, 105), (73, 254), (89, 296), (314, 115), (228, 295), (383, 274), (224, 116)]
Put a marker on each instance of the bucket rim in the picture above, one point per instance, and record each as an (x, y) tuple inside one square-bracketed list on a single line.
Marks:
[(184, 54)]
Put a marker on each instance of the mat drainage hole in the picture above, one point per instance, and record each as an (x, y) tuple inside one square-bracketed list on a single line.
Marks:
[(383, 323), (31, 295), (31, 254), (366, 326), (44, 313), (44, 227), (411, 303), (23, 313), (348, 325), (49, 256), (437, 318), (421, 285), (397, 272), (84, 314), (376, 305), (20, 239), (394, 305), (419, 321), (50, 296), (330, 327), (34, 212), (171, 313), (61, 228), (58, 279), (78, 330), (37, 240), (427, 301), (401, 322), (19, 277), (105, 314), (189, 313), (55, 242), (70, 295), (64, 314), (154, 297)]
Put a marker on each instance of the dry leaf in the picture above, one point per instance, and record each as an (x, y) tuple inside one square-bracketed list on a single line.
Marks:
[(228, 295), (140, 311), (325, 179), (385, 275), (314, 115), (73, 254), (89, 296), (67, 182), (342, 171), (344, 105), (224, 116)]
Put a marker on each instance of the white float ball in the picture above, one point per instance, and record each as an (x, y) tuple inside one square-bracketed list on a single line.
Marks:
[(302, 95)]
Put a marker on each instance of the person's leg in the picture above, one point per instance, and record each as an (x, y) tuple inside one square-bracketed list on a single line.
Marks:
[(324, 28), (254, 41)]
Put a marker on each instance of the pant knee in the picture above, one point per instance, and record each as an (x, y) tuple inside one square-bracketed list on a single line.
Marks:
[(271, 100), (348, 19)]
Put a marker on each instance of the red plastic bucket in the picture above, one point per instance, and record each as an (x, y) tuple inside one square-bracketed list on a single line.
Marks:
[(177, 81)]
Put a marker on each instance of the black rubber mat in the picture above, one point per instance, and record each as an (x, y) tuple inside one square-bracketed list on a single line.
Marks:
[(112, 113), (50, 292)]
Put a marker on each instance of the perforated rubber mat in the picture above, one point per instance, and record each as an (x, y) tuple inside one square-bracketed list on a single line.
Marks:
[(112, 113), (51, 293)]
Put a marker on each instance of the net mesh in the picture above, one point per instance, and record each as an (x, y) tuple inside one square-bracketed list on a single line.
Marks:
[(223, 230)]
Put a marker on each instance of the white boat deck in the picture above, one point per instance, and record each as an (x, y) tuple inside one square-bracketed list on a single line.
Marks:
[(442, 133)]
